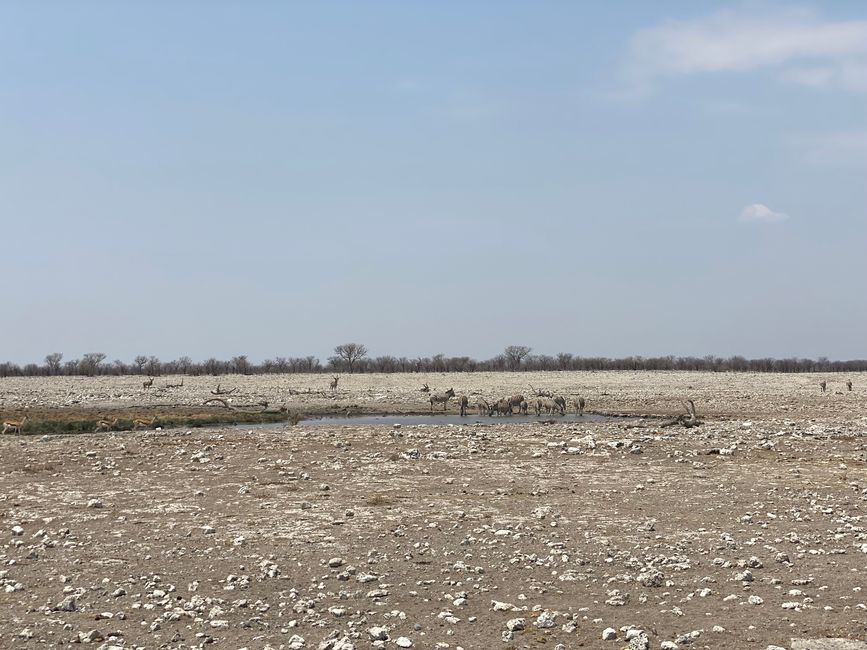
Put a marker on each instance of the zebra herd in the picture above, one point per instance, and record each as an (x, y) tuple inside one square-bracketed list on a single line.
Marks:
[(542, 403)]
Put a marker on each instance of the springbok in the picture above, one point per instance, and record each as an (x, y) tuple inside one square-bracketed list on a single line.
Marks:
[(334, 381), (105, 425), (441, 398), (14, 425), (138, 423), (463, 402)]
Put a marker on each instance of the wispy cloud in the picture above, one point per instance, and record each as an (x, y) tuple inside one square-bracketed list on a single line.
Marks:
[(796, 42), (762, 213)]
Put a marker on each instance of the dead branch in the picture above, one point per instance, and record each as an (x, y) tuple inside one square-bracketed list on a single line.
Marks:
[(221, 401), (175, 385), (538, 392), (219, 391), (688, 420), (425, 388)]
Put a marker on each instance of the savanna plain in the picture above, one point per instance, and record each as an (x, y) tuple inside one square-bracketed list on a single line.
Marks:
[(748, 530)]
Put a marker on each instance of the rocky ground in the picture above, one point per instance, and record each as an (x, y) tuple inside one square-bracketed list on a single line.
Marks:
[(749, 531)]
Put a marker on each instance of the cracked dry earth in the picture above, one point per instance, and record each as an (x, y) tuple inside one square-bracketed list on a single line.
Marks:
[(736, 534)]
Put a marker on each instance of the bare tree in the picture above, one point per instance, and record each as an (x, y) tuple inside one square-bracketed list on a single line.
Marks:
[(350, 353), (184, 364), (52, 362), (240, 364), (139, 362), (91, 362), (515, 354)]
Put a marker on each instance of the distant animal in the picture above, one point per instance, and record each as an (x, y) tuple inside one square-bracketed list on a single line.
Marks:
[(143, 424), (523, 407), (500, 407), (560, 403), (14, 425), (822, 385), (148, 383), (424, 388), (463, 402), (483, 406), (545, 404), (334, 381), (579, 406), (515, 400), (441, 398), (849, 384), (105, 425)]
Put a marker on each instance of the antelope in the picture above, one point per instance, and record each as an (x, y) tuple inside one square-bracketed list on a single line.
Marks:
[(822, 385), (579, 406), (334, 381), (849, 385), (463, 402), (560, 403), (442, 398), (14, 425), (105, 425), (138, 423), (148, 383)]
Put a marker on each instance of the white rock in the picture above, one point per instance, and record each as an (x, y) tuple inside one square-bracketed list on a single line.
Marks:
[(609, 634), (403, 642)]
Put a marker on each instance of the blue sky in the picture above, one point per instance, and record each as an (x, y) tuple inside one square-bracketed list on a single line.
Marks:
[(219, 178)]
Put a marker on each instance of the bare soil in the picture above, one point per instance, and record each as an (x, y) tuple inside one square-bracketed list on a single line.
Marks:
[(745, 532)]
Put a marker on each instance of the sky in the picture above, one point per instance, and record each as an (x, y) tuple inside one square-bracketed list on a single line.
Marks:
[(275, 179)]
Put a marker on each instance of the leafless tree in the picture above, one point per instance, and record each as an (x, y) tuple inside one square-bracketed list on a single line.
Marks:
[(350, 353), (515, 354), (52, 362), (139, 362), (91, 361)]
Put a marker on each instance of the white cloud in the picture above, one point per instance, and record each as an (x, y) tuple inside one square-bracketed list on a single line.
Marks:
[(797, 43), (761, 212)]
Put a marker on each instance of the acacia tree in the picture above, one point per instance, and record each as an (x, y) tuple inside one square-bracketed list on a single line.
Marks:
[(515, 354), (350, 353)]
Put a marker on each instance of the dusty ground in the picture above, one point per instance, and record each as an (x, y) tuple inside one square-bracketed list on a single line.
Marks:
[(746, 532)]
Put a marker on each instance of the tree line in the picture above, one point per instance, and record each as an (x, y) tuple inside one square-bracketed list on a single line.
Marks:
[(353, 357)]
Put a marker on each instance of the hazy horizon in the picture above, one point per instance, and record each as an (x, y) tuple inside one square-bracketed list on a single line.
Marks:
[(222, 179)]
